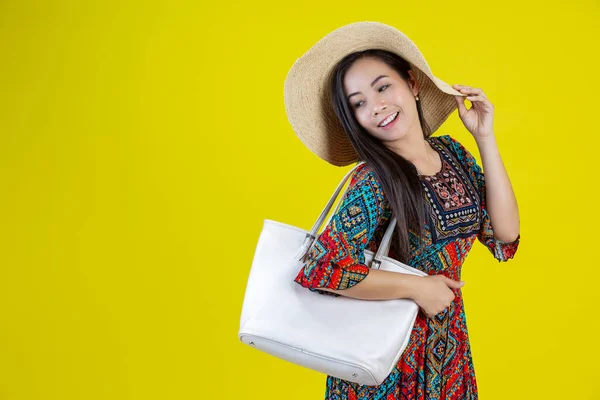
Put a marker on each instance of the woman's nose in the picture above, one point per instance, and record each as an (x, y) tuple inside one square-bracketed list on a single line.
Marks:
[(379, 109)]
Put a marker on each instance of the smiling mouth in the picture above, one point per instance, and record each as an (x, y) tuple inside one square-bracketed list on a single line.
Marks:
[(389, 120)]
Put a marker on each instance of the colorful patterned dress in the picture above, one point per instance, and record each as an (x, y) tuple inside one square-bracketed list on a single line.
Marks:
[(437, 362)]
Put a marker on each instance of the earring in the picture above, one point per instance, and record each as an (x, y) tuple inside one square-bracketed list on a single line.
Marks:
[(417, 97)]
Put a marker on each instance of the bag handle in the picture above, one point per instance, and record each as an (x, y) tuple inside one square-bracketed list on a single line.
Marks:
[(312, 235), (384, 246)]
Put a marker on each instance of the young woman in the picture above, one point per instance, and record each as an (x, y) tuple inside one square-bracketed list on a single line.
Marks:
[(382, 110)]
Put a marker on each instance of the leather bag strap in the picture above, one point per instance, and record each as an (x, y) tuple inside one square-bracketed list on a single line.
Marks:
[(309, 240)]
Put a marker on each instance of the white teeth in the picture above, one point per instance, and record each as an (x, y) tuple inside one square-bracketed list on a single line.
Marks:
[(389, 119)]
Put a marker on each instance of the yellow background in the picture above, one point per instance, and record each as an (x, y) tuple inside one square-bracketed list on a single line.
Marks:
[(144, 143)]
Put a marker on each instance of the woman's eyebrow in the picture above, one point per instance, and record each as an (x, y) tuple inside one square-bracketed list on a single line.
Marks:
[(372, 83)]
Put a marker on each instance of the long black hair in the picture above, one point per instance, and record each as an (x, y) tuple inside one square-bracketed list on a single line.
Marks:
[(399, 177)]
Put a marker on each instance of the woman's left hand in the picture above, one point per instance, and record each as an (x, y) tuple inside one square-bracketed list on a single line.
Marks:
[(480, 117)]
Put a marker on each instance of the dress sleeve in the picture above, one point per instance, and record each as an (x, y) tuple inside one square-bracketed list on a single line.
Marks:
[(502, 251), (336, 260)]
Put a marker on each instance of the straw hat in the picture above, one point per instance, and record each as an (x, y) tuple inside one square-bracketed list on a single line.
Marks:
[(306, 88)]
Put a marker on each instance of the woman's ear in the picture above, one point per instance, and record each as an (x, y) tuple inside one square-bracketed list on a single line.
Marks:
[(413, 83)]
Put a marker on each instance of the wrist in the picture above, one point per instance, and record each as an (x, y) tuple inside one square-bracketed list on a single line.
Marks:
[(411, 285), (485, 139)]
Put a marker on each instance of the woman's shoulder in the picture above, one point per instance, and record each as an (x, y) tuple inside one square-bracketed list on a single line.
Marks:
[(364, 175), (450, 142), (456, 147), (366, 186)]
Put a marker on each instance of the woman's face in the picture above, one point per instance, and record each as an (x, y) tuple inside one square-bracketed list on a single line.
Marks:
[(375, 91)]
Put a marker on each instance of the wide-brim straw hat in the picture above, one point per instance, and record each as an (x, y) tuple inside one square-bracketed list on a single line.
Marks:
[(307, 94)]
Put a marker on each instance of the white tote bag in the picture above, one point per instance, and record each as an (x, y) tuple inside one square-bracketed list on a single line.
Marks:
[(356, 340)]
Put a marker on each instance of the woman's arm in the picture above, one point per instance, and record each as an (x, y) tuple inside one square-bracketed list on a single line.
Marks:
[(433, 293), (500, 199), (381, 285)]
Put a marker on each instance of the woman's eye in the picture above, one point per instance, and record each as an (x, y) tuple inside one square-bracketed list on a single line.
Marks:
[(381, 89)]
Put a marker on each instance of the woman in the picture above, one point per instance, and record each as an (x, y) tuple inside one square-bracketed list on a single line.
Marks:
[(386, 108)]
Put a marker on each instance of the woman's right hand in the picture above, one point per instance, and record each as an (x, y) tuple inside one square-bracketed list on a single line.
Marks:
[(434, 293)]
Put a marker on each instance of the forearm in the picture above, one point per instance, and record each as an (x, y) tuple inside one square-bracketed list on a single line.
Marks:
[(500, 199), (381, 285)]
